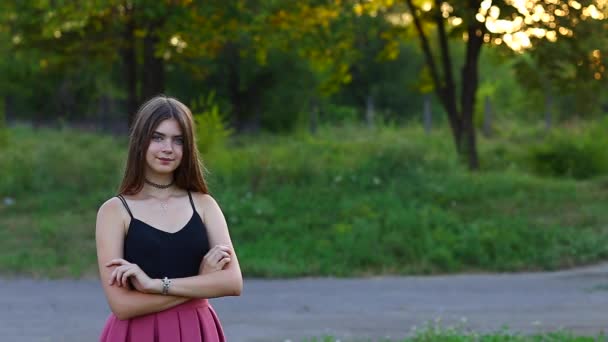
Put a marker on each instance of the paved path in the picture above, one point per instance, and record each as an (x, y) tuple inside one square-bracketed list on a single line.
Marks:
[(280, 310)]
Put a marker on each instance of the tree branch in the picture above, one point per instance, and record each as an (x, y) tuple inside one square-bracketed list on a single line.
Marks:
[(426, 48), (449, 87)]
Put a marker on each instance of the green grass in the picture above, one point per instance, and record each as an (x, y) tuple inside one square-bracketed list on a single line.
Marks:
[(476, 337), (434, 332), (348, 202)]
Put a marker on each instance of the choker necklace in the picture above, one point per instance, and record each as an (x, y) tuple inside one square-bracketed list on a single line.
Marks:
[(159, 186)]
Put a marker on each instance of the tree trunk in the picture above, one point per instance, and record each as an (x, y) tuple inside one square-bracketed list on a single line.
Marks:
[(9, 108), (130, 67), (461, 121), (233, 77), (470, 84), (3, 114), (153, 74), (447, 90), (455, 120)]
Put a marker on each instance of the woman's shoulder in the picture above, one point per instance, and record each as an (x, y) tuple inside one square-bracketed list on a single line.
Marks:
[(203, 200), (111, 218), (112, 206)]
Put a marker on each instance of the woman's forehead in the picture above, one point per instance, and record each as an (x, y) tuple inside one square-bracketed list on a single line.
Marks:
[(169, 127)]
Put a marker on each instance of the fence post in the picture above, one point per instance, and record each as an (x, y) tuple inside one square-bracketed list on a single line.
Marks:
[(427, 114), (370, 113), (314, 116)]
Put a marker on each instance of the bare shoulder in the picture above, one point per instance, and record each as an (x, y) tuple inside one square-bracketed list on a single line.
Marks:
[(110, 207), (204, 201), (208, 207), (111, 213)]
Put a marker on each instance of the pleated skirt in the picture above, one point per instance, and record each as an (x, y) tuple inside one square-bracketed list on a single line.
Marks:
[(192, 321)]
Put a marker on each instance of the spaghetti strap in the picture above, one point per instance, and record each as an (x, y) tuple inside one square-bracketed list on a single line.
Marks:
[(124, 202), (191, 201)]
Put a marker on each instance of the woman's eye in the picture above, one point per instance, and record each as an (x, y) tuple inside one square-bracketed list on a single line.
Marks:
[(157, 138), (179, 141)]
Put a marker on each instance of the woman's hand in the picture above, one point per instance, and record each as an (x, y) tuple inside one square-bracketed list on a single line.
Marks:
[(139, 279), (216, 259)]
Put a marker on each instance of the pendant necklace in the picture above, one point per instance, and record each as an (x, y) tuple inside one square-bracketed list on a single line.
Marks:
[(164, 204)]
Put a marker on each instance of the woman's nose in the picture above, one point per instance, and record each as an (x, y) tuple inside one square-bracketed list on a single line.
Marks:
[(168, 146)]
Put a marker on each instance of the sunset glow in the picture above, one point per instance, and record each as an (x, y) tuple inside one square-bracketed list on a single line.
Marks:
[(533, 19)]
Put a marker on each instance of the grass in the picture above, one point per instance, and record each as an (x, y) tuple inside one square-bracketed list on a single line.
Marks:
[(476, 337), (347, 202), (433, 332)]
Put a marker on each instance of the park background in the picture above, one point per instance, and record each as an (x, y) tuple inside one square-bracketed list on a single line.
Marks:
[(341, 138)]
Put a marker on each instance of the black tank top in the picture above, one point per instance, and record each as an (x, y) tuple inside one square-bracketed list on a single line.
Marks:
[(161, 254)]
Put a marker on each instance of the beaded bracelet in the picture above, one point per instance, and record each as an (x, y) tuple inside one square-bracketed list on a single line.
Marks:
[(166, 283)]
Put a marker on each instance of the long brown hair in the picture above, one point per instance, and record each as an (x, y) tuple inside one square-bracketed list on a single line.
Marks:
[(188, 174)]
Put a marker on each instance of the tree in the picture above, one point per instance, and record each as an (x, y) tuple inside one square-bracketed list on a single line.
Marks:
[(571, 71), (100, 33), (477, 23)]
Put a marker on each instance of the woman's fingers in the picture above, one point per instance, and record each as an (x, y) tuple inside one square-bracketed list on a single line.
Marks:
[(127, 274), (222, 248), (113, 276), (223, 263), (225, 248), (116, 262), (215, 255), (222, 255), (218, 255), (117, 274)]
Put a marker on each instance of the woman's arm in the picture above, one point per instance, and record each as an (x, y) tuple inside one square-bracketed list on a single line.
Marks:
[(109, 238), (225, 282)]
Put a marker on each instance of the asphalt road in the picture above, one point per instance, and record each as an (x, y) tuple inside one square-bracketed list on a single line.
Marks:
[(281, 310)]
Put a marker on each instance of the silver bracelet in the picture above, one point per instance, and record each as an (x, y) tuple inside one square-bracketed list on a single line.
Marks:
[(166, 283)]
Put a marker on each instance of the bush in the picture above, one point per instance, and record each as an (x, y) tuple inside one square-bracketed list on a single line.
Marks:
[(332, 113), (211, 128), (310, 205), (579, 156)]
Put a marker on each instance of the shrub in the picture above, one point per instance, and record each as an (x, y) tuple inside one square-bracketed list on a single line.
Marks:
[(211, 128), (578, 155)]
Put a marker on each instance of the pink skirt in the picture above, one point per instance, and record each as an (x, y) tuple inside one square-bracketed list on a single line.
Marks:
[(192, 321)]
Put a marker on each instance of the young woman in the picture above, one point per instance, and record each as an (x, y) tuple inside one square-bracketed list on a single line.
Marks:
[(163, 245)]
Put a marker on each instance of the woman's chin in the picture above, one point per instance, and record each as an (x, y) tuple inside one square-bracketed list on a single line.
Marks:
[(163, 169)]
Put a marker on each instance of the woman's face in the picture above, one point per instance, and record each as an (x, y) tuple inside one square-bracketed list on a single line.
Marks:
[(166, 147)]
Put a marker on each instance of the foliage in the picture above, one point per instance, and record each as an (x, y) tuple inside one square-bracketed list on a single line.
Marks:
[(432, 332), (572, 72), (581, 155), (319, 200), (71, 60), (212, 131)]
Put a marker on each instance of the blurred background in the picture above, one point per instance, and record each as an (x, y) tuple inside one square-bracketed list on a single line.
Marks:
[(341, 138)]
